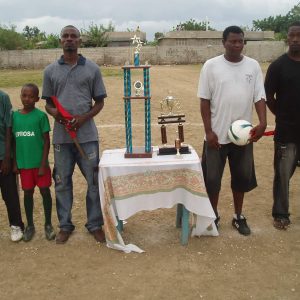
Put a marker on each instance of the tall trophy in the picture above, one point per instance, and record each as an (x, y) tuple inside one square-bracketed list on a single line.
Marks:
[(168, 116), (141, 92)]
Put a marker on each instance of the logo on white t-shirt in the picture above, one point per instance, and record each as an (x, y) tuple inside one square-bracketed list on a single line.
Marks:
[(249, 77)]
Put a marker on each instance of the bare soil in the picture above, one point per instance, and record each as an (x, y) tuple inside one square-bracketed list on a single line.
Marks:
[(265, 265)]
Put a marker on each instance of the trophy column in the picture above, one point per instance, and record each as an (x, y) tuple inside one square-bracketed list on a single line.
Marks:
[(136, 152)]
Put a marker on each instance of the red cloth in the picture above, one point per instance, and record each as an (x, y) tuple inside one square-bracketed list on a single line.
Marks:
[(269, 133), (66, 115)]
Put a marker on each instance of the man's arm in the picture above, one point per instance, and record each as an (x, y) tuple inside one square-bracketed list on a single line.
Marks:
[(270, 87), (271, 101), (258, 130), (211, 137), (52, 110), (6, 163)]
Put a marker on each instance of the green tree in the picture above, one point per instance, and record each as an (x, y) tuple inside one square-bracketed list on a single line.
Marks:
[(157, 35), (279, 24), (52, 41), (33, 36), (96, 35), (192, 25), (10, 39)]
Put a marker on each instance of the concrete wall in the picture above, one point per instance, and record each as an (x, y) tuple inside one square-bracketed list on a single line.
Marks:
[(34, 59)]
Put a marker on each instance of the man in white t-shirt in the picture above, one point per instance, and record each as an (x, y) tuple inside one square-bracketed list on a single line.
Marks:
[(229, 85)]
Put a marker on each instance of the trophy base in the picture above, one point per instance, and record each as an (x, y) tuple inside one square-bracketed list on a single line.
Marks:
[(138, 152), (170, 150)]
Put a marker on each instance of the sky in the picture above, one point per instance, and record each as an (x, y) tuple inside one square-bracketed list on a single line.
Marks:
[(151, 16)]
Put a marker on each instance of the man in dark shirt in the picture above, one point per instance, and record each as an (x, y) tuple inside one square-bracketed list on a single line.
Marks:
[(283, 99), (8, 184)]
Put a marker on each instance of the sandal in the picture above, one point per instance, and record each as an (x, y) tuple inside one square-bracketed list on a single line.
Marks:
[(281, 223)]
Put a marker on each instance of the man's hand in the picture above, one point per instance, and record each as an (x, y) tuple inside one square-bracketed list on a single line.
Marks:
[(5, 166), (212, 140), (77, 122), (42, 171), (15, 168), (257, 132)]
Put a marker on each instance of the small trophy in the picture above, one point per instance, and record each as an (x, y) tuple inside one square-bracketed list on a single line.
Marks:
[(168, 106)]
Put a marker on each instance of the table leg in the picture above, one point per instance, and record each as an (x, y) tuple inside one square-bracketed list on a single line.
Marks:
[(185, 226), (120, 225), (179, 215)]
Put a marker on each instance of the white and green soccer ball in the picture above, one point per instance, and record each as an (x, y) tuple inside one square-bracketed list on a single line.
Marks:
[(239, 132)]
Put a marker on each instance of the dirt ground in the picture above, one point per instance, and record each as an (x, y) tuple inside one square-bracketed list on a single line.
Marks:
[(265, 265)]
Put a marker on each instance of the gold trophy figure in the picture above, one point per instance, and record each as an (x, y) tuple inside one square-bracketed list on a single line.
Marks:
[(168, 115)]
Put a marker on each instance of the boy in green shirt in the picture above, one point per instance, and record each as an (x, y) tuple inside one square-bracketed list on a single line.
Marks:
[(30, 127)]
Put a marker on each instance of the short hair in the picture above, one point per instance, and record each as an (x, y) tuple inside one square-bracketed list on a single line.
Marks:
[(32, 86), (296, 23), (232, 29), (70, 26)]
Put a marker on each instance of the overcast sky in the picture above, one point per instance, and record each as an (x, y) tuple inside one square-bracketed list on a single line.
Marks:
[(151, 16)]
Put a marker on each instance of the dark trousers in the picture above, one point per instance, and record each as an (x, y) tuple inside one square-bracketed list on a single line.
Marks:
[(285, 160), (10, 196)]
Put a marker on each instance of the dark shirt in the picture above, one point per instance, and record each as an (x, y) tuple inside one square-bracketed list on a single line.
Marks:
[(5, 114), (283, 81)]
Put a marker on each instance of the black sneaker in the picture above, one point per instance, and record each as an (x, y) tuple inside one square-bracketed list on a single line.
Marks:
[(28, 233), (298, 163), (241, 225), (49, 232)]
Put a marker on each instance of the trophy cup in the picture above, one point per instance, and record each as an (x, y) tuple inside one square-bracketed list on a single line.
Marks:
[(141, 92), (168, 105)]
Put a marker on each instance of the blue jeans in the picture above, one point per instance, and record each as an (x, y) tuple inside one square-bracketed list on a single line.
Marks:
[(65, 158), (285, 160)]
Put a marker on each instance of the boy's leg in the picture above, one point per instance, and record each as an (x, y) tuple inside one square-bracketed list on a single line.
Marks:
[(44, 183), (28, 205), (47, 204), (28, 184)]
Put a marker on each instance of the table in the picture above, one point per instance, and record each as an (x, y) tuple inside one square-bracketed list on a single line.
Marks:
[(130, 185)]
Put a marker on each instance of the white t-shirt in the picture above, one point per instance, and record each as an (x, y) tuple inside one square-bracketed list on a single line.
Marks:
[(232, 88)]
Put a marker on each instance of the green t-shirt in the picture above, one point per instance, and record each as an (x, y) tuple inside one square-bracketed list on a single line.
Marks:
[(28, 130), (5, 112)]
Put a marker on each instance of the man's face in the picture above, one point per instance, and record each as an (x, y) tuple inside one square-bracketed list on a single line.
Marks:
[(70, 39), (293, 39), (234, 44)]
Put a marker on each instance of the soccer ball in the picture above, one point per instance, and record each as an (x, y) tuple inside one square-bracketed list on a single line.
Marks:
[(239, 132)]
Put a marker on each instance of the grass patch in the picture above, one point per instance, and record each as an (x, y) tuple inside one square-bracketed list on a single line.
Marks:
[(15, 78)]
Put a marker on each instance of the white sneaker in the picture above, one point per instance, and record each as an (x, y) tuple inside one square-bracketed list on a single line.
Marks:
[(16, 233)]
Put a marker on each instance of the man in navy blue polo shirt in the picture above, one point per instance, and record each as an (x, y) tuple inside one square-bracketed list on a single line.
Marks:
[(77, 83)]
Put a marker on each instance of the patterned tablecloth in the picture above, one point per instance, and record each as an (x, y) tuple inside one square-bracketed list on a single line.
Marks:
[(130, 185)]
